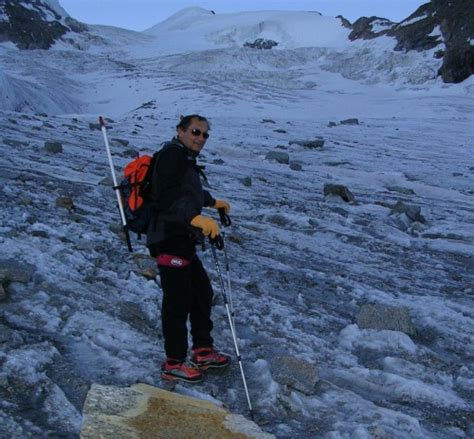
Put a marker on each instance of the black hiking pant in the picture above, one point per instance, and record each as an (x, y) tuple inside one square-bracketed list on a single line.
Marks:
[(187, 292)]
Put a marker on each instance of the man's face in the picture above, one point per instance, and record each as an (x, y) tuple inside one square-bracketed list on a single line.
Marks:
[(195, 136)]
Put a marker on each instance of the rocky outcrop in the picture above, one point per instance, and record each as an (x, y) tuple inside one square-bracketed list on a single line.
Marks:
[(418, 31), (261, 43), (144, 411), (34, 24), (367, 28), (456, 20), (344, 21), (442, 24)]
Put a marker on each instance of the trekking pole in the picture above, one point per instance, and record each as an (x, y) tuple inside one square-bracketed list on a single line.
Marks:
[(116, 188), (226, 222), (226, 303)]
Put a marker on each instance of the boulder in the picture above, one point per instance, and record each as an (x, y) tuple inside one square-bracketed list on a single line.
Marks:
[(246, 181), (142, 411), (340, 191), (107, 181), (280, 157), (295, 373), (317, 143), (352, 121), (53, 147), (122, 142), (385, 317), (65, 202), (412, 212), (401, 190), (295, 165), (13, 270)]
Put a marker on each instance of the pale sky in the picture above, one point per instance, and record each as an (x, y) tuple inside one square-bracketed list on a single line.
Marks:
[(142, 14)]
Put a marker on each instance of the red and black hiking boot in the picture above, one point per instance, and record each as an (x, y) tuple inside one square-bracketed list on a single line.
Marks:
[(179, 370), (209, 358)]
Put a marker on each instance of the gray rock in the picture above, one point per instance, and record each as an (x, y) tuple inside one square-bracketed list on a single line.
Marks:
[(295, 373), (96, 126), (3, 293), (340, 191), (295, 166), (116, 228), (14, 143), (412, 212), (132, 153), (279, 130), (144, 261), (402, 190), (12, 270), (268, 121), (385, 317), (122, 142), (133, 314), (65, 202), (280, 157), (352, 121), (53, 147), (25, 200), (317, 143), (246, 181), (332, 124), (40, 233), (107, 181)]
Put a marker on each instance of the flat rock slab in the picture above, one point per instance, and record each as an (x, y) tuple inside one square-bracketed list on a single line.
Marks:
[(296, 373), (13, 270), (385, 317), (143, 411)]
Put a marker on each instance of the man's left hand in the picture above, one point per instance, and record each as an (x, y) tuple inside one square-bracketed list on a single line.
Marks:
[(221, 204)]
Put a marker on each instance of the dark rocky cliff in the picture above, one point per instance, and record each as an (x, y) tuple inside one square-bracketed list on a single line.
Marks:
[(446, 24), (34, 24)]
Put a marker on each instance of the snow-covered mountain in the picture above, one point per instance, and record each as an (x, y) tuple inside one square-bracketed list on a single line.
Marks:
[(372, 296)]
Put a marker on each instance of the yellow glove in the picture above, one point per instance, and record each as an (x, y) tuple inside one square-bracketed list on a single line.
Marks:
[(207, 225), (221, 204)]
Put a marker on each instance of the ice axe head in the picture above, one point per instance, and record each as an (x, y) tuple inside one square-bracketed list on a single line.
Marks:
[(218, 242), (225, 219)]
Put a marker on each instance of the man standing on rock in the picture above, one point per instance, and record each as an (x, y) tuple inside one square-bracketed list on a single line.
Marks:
[(171, 238)]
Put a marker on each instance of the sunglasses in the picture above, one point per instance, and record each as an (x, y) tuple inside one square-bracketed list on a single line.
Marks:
[(197, 133)]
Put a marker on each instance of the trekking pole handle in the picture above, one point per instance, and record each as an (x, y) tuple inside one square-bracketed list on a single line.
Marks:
[(225, 219)]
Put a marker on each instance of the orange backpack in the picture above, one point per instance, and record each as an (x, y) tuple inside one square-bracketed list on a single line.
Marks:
[(135, 189)]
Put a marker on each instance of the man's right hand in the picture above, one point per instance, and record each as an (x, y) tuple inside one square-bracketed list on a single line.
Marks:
[(208, 226)]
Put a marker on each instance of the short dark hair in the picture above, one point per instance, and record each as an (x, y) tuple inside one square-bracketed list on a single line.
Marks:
[(185, 121)]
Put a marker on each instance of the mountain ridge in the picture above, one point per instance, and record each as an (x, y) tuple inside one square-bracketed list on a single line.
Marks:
[(32, 28)]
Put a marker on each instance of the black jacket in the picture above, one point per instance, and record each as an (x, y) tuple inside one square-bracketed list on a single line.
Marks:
[(178, 196)]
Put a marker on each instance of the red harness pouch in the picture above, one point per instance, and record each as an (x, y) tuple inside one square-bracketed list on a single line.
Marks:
[(172, 261)]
